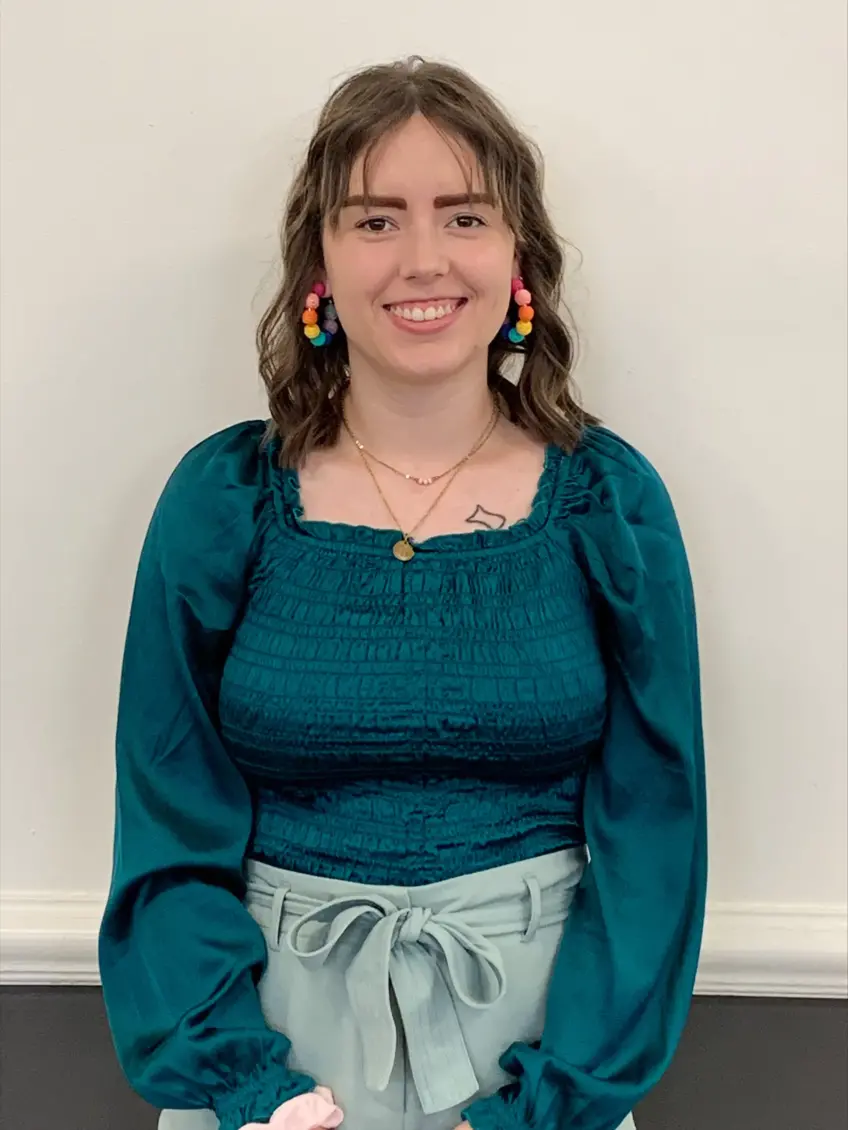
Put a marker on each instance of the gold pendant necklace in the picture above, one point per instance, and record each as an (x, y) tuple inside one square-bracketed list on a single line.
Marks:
[(403, 549), (422, 481)]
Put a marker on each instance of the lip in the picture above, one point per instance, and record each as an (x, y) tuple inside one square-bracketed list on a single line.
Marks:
[(436, 326)]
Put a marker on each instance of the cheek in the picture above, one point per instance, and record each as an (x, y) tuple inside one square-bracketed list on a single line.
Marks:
[(494, 292), (490, 277), (357, 281)]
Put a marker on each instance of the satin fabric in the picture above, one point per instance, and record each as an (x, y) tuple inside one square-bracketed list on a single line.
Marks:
[(180, 956)]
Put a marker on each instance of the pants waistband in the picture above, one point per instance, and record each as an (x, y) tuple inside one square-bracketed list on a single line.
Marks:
[(430, 943)]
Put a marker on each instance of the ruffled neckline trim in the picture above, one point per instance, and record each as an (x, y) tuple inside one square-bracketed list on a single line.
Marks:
[(286, 483)]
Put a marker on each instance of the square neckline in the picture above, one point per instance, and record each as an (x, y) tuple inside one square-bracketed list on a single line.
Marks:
[(381, 538)]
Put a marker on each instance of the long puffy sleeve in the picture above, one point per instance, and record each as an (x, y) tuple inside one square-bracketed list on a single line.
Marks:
[(180, 957), (624, 976)]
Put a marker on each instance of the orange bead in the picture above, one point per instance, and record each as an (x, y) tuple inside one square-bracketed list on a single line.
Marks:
[(309, 317), (525, 313)]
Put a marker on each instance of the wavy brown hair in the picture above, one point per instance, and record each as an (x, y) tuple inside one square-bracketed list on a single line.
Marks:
[(302, 380)]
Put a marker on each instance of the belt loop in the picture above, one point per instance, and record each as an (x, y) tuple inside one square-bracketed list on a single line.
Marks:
[(535, 908), (275, 927)]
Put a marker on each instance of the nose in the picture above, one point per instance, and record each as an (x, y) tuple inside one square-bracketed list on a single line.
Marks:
[(423, 255)]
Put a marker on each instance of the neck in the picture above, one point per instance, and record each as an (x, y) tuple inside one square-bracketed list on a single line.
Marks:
[(423, 427)]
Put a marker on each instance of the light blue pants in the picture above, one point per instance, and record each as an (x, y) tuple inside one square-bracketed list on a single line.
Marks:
[(401, 1000)]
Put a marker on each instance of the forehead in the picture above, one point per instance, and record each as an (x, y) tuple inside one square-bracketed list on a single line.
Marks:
[(417, 156)]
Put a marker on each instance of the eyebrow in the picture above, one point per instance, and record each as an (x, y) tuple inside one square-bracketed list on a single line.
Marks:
[(398, 202)]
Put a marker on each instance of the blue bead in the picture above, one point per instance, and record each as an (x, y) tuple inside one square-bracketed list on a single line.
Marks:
[(321, 339), (515, 336)]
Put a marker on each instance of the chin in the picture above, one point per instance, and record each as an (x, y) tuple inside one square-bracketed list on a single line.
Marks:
[(429, 364)]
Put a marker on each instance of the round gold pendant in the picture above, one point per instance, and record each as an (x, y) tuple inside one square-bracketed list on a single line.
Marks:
[(402, 550)]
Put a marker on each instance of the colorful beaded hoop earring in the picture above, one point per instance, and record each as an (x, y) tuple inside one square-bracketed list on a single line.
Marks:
[(323, 333), (524, 324)]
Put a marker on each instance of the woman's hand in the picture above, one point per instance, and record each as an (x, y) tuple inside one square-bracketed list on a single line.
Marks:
[(315, 1110)]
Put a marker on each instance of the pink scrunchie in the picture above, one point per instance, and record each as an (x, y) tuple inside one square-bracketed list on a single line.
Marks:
[(316, 1110)]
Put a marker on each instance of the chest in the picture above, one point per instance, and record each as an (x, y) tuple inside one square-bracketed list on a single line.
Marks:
[(486, 495), (347, 664)]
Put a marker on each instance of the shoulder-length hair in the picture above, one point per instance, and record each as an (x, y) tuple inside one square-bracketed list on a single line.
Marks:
[(301, 380)]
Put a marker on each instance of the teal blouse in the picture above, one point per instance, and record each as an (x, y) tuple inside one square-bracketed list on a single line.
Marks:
[(292, 693)]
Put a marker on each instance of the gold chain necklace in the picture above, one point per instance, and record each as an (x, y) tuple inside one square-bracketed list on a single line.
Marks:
[(429, 480), (403, 549)]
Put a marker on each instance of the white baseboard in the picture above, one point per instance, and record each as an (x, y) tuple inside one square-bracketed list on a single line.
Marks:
[(49, 938), (769, 950), (774, 950)]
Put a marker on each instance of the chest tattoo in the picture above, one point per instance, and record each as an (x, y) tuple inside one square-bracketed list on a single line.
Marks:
[(487, 519)]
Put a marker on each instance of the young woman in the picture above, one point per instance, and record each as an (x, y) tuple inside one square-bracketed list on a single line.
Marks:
[(410, 793)]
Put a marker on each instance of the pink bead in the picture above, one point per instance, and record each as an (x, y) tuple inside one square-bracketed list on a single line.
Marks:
[(517, 284), (319, 289), (523, 297), (312, 301)]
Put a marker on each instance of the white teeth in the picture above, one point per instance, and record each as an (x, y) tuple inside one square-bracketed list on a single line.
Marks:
[(423, 314)]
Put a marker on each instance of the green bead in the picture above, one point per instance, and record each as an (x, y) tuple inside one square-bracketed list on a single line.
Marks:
[(514, 336), (321, 339)]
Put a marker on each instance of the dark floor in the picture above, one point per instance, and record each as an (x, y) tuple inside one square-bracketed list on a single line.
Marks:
[(742, 1065)]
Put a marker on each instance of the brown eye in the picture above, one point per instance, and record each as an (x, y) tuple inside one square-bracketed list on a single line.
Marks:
[(466, 220), (367, 224)]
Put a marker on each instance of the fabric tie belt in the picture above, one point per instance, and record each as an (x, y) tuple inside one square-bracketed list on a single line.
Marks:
[(416, 962), (428, 959)]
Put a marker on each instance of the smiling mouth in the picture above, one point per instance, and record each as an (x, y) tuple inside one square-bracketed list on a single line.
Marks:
[(419, 313)]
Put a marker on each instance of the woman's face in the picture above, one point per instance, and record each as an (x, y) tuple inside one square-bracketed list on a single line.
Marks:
[(421, 279)]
